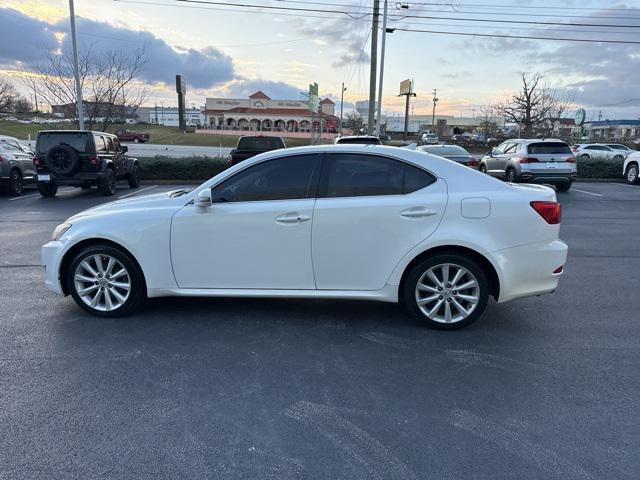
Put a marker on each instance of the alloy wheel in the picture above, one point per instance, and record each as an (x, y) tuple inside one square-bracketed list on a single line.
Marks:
[(632, 174), (447, 293), (16, 182), (102, 282)]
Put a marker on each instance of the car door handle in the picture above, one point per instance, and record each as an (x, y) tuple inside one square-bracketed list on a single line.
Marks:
[(417, 212), (292, 218)]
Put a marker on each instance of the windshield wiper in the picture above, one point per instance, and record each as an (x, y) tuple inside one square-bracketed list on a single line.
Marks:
[(179, 193)]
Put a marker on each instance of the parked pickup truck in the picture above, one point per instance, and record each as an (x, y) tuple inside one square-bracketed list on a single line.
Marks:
[(251, 146), (129, 136)]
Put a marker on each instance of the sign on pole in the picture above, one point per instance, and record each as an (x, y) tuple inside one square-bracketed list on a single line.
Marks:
[(406, 87), (314, 105), (181, 89)]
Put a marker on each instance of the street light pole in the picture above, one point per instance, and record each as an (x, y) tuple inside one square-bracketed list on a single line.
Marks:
[(384, 38), (76, 70), (433, 115), (341, 104), (373, 73)]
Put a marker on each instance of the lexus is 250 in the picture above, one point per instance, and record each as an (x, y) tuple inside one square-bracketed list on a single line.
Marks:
[(336, 222)]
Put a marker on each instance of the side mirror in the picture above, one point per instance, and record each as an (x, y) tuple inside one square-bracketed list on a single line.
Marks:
[(203, 199), (124, 148)]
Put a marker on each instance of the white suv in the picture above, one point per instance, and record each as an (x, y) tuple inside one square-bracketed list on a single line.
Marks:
[(630, 168)]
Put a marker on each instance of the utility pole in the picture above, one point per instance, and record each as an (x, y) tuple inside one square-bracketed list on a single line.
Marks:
[(76, 70), (433, 115), (374, 66), (384, 38), (343, 89), (408, 94)]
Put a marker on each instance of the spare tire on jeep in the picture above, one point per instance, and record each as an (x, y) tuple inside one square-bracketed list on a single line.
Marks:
[(62, 160)]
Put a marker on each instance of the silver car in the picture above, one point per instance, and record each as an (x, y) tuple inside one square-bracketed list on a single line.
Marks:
[(532, 161), (16, 164)]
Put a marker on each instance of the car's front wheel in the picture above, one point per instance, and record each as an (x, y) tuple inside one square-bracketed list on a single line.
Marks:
[(106, 281), (447, 291), (632, 174), (483, 168), (134, 177)]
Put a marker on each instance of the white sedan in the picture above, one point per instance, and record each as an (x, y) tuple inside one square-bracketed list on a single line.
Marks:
[(344, 221), (598, 151)]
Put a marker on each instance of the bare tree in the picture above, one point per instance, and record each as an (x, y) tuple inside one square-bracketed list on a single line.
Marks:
[(487, 119), (534, 104), (109, 82), (11, 100), (354, 122)]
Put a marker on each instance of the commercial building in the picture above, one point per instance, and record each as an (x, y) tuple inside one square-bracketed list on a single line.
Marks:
[(445, 125), (95, 110), (613, 129), (169, 117), (261, 113)]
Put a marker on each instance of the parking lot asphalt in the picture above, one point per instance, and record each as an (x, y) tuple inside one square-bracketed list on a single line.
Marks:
[(545, 387)]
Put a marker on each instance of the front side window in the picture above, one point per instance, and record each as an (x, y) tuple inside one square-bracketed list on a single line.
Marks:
[(499, 150), (511, 148), (283, 178), (356, 175)]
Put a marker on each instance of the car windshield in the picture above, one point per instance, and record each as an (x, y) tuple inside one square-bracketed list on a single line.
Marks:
[(549, 148), (360, 140), (75, 140), (450, 151), (260, 144)]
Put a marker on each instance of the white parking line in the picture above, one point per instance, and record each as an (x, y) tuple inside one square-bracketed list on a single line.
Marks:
[(22, 197), (138, 191), (627, 185), (588, 193)]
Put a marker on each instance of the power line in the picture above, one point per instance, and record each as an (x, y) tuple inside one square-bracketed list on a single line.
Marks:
[(584, 40), (543, 7)]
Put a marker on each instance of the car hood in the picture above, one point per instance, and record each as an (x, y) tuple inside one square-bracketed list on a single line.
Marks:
[(143, 202)]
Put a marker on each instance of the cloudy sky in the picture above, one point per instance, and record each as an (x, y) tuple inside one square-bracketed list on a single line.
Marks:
[(232, 51)]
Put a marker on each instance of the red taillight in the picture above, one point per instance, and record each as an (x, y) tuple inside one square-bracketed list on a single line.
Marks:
[(2, 159), (472, 162), (36, 161), (570, 159), (558, 270), (526, 160), (550, 211), (93, 160)]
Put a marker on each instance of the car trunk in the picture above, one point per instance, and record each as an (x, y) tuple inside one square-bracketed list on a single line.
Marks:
[(551, 156)]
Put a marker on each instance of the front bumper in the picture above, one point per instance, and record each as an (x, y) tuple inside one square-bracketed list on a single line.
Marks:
[(527, 270), (52, 254)]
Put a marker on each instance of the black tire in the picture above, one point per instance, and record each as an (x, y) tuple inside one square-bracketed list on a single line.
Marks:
[(632, 179), (563, 187), (15, 182), (483, 168), (510, 175), (134, 177), (410, 301), (618, 158), (584, 156), (107, 184), (136, 140), (62, 160), (48, 189), (137, 293)]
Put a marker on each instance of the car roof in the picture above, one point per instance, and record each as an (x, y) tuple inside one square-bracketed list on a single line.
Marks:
[(76, 131), (350, 137), (441, 145), (527, 141)]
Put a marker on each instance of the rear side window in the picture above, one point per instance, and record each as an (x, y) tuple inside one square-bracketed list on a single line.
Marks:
[(282, 178), (549, 148), (355, 175), (100, 145), (260, 144), (78, 141), (110, 147)]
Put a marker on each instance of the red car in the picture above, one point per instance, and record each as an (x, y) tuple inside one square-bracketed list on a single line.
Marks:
[(129, 136)]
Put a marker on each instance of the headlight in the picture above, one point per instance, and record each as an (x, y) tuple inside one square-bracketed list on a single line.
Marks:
[(60, 230)]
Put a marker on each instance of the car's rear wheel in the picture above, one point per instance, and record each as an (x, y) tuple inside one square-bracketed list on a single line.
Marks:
[(134, 177), (632, 174), (15, 182), (618, 158), (563, 187), (446, 292), (584, 156), (106, 281), (511, 175), (107, 184), (48, 189)]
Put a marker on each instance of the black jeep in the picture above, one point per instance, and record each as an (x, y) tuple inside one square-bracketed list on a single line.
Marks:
[(82, 158)]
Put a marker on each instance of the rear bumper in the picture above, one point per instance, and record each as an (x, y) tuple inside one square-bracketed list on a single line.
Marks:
[(51, 254), (79, 179), (528, 270), (531, 176)]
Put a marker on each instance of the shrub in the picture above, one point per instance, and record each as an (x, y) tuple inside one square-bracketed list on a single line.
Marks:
[(189, 168), (599, 168)]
